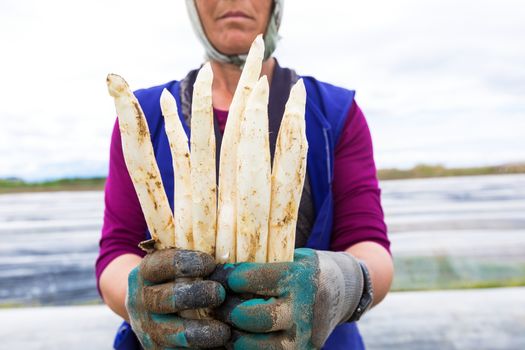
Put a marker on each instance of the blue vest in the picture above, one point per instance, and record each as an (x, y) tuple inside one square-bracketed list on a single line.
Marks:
[(327, 108)]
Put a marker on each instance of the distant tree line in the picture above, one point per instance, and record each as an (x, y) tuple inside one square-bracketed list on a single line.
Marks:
[(13, 184)]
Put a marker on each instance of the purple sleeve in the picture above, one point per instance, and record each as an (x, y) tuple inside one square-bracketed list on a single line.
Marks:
[(358, 215), (124, 225)]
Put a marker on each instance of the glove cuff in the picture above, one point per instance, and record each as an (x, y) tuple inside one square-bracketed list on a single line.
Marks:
[(341, 284), (366, 298)]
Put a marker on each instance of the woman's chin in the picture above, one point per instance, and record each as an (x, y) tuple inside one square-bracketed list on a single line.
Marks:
[(236, 43)]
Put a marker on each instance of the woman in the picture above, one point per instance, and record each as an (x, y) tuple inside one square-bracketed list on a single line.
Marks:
[(316, 298)]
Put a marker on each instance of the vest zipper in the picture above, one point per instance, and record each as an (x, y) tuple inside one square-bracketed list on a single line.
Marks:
[(327, 150)]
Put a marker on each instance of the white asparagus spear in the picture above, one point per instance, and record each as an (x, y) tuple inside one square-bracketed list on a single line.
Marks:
[(253, 180), (203, 173), (141, 163), (288, 173), (226, 218), (180, 153)]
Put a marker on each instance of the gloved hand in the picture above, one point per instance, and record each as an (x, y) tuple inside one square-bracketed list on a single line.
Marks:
[(154, 297), (308, 298)]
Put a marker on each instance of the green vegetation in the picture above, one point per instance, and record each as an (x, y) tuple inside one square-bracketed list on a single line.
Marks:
[(425, 171), (12, 305), (450, 272), (24, 304), (419, 171), (74, 184)]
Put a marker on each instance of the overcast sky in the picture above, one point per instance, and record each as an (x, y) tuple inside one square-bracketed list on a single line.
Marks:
[(439, 81)]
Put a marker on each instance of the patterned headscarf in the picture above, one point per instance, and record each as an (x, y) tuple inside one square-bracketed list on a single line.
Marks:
[(270, 37)]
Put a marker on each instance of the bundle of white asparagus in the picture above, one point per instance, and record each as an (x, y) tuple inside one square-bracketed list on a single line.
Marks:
[(253, 217)]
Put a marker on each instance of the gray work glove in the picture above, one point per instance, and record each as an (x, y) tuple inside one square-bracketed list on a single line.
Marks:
[(154, 298), (297, 304)]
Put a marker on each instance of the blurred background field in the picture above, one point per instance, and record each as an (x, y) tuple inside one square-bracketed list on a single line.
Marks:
[(450, 233), (447, 233)]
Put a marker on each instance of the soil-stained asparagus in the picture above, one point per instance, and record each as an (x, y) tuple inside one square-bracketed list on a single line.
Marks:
[(141, 163), (256, 213), (227, 202), (253, 180), (180, 154), (202, 156), (288, 173)]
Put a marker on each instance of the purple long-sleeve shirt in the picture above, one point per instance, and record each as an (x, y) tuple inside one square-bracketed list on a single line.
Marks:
[(358, 215)]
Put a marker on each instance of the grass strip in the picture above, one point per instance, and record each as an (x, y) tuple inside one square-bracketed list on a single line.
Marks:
[(449, 272), (72, 184)]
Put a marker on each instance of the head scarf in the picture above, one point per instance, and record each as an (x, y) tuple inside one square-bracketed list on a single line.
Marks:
[(270, 37)]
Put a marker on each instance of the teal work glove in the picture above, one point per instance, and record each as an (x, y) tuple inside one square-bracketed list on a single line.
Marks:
[(154, 297), (297, 304)]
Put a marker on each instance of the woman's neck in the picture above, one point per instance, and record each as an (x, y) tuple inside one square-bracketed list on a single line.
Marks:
[(226, 77)]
